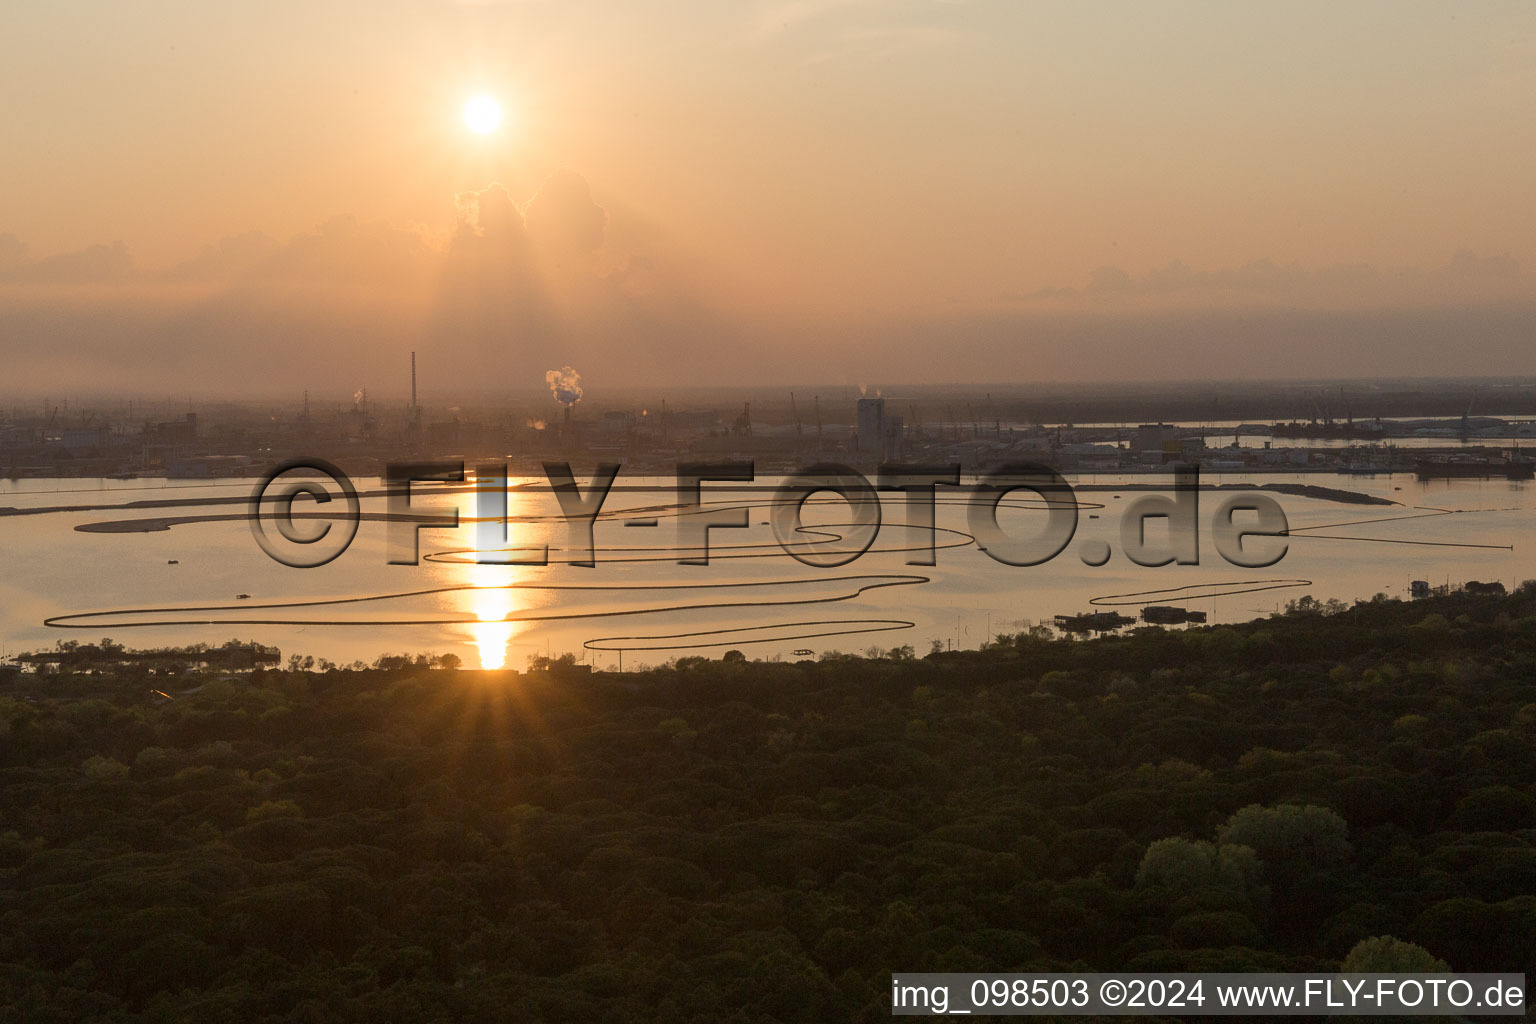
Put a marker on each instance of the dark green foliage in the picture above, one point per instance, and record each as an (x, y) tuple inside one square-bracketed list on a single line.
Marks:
[(745, 841)]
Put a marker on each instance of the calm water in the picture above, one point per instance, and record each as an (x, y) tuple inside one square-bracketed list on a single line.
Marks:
[(764, 604)]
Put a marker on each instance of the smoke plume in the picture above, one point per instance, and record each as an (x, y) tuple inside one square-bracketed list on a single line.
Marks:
[(565, 384)]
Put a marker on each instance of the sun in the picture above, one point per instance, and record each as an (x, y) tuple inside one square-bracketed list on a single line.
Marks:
[(482, 114)]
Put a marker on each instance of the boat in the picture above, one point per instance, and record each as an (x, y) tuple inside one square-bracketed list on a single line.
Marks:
[(1093, 622), (804, 652), (1438, 467), (1168, 615), (242, 597), (172, 561)]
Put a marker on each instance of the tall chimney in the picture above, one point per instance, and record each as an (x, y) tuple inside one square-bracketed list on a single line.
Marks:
[(413, 383)]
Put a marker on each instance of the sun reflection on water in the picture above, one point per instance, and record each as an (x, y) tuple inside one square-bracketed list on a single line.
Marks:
[(491, 606), (492, 599)]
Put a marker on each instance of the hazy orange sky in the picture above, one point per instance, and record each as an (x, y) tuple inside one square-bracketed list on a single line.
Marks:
[(908, 190)]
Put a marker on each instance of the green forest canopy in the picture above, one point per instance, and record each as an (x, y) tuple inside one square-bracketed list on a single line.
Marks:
[(741, 840)]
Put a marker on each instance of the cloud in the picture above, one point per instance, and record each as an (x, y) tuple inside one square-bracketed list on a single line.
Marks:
[(1110, 281), (94, 264), (563, 214), (489, 213), (524, 287), (229, 258), (343, 251), (492, 235), (505, 287), (1466, 276)]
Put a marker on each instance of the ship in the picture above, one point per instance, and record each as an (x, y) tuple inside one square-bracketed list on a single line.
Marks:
[(1168, 615), (1093, 622), (1436, 467)]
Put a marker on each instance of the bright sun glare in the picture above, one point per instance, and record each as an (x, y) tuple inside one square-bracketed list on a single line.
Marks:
[(482, 114)]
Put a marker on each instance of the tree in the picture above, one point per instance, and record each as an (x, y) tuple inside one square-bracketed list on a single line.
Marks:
[(1386, 955), (1290, 839), (1182, 865)]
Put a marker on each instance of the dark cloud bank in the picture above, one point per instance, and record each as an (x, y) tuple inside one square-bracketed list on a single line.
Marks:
[(515, 288)]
